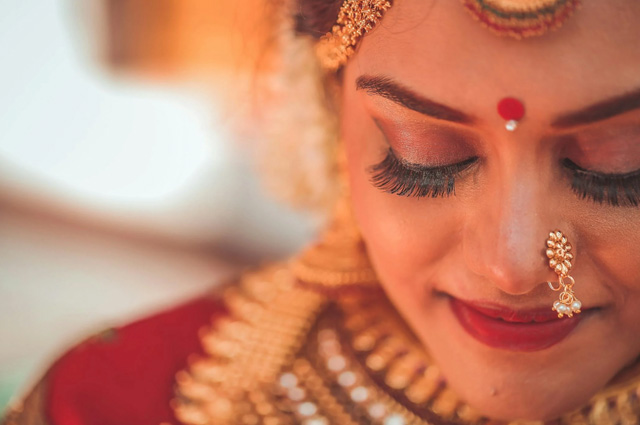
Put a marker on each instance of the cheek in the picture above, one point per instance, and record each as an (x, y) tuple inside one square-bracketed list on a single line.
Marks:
[(614, 262), (406, 238), (611, 257)]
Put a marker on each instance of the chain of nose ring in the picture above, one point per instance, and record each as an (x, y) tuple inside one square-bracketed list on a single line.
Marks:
[(560, 256)]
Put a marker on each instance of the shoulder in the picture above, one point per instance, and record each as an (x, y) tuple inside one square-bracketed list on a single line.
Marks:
[(126, 375)]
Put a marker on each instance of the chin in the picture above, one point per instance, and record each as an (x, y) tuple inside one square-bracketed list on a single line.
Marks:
[(509, 384), (538, 386)]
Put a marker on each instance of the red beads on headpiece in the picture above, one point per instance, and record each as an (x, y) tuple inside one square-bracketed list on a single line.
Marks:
[(512, 110)]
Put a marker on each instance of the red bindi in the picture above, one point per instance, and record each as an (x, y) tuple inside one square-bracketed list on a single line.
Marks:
[(512, 110)]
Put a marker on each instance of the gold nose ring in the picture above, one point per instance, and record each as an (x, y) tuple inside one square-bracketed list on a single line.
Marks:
[(559, 252)]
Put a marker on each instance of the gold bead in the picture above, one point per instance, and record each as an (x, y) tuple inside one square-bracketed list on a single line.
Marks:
[(364, 342), (423, 388), (250, 419), (467, 413), (380, 358), (445, 404)]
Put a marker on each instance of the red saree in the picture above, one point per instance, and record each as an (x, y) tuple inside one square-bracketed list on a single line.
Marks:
[(123, 376)]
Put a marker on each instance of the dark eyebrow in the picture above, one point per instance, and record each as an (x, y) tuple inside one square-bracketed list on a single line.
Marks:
[(599, 111), (395, 92)]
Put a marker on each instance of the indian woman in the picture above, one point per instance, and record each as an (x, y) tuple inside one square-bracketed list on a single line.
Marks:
[(482, 162)]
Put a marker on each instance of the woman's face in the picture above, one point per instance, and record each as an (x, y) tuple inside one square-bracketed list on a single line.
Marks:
[(467, 267)]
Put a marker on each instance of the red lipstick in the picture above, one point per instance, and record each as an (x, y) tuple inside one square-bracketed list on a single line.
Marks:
[(522, 330)]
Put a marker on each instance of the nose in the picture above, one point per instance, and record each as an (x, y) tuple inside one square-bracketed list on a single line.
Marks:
[(504, 239)]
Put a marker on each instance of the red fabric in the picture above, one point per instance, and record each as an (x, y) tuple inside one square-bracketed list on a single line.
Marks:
[(127, 376)]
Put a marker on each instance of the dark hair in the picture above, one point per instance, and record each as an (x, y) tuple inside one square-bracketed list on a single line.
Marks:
[(316, 17)]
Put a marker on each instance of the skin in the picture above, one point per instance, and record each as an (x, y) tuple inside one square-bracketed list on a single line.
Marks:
[(486, 244)]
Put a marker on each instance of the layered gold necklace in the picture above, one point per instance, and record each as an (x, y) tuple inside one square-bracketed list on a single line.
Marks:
[(288, 355)]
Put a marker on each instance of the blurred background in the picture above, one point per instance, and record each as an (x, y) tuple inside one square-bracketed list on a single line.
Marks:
[(124, 187)]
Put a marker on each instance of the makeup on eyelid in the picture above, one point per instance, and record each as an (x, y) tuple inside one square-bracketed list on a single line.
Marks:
[(427, 144), (614, 149), (605, 149)]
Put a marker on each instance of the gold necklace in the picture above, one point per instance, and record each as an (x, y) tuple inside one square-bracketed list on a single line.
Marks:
[(287, 355)]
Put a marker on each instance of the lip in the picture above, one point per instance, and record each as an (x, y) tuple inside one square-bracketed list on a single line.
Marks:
[(521, 330)]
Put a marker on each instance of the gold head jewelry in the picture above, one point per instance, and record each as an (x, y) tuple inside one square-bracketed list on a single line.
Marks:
[(356, 18), (521, 18), (514, 18), (560, 256)]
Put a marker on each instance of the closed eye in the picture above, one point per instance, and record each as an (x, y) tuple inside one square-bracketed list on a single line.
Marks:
[(403, 178), (613, 189)]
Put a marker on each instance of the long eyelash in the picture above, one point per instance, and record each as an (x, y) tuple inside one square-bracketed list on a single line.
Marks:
[(613, 189), (406, 179)]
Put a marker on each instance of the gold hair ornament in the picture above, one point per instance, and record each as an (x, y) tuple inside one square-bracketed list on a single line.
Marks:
[(514, 18), (356, 18), (560, 256)]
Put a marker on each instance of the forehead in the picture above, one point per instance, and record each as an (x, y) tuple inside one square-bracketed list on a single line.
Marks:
[(436, 47)]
